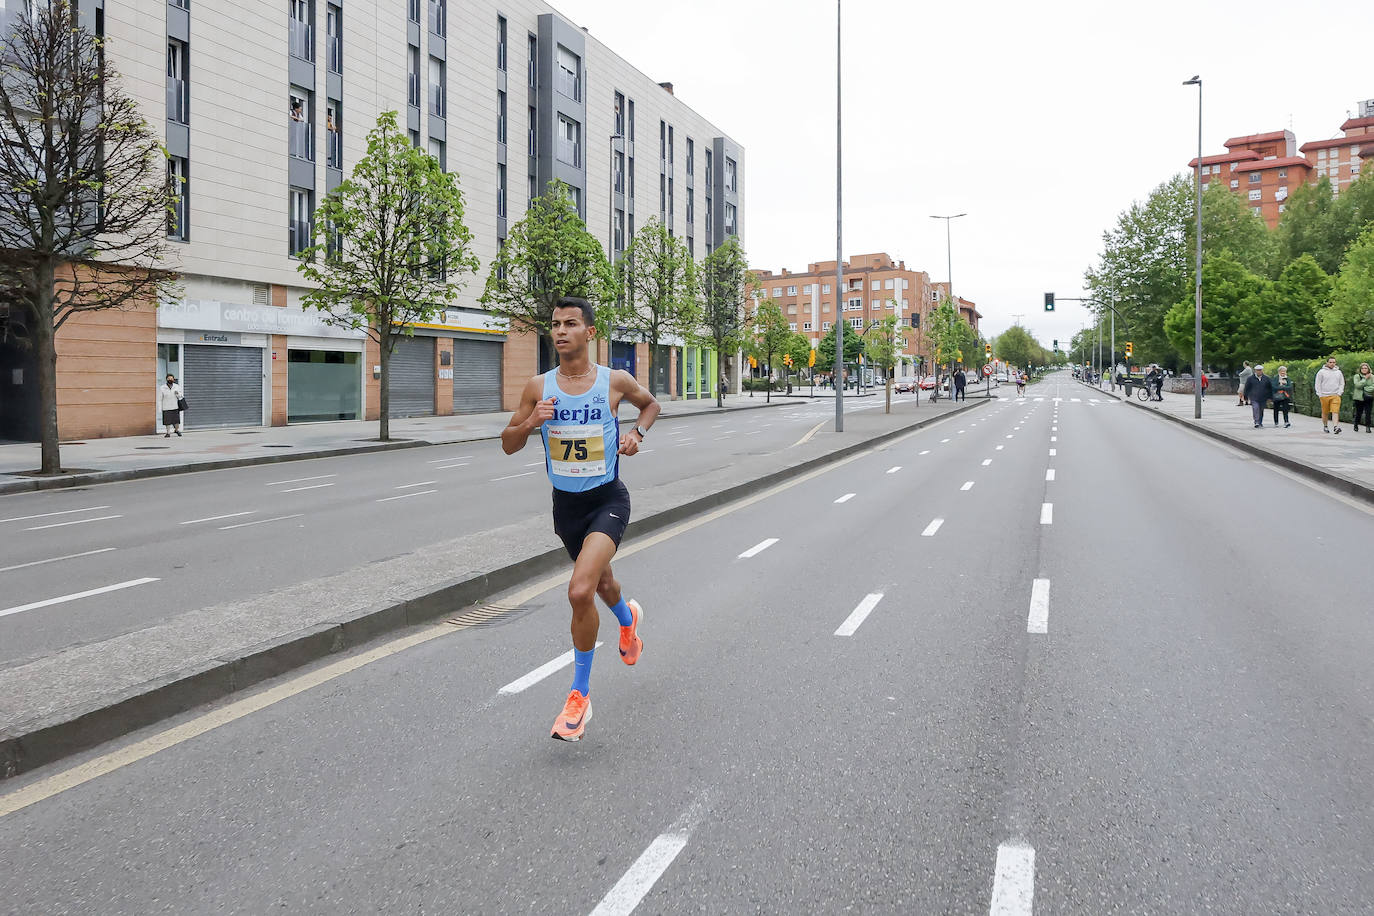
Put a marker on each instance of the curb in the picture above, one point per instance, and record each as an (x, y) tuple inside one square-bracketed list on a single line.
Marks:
[(1347, 485), (28, 746), (36, 484)]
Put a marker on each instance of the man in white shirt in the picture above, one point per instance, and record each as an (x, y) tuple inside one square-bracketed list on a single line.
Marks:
[(1330, 385)]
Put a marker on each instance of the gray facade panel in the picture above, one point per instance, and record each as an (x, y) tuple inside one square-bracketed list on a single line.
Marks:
[(333, 85), (178, 23), (332, 179), (178, 139), (438, 128), (301, 72), (300, 173), (413, 33), (438, 47), (553, 32)]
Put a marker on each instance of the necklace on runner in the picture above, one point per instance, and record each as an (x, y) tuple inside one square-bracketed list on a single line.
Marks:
[(578, 375)]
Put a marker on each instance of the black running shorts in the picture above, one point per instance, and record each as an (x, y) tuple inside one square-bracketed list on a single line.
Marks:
[(605, 509)]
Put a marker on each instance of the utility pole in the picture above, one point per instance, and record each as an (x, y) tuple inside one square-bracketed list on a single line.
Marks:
[(839, 235)]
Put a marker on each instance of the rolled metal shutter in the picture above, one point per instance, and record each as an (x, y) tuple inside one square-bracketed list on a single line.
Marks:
[(477, 375), (223, 386), (412, 377)]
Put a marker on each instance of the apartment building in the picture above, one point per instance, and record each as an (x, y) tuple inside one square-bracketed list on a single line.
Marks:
[(266, 106), (875, 286), (1264, 168)]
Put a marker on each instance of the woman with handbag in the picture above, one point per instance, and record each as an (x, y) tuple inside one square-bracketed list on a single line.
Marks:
[(172, 402), (1363, 395), (1283, 395)]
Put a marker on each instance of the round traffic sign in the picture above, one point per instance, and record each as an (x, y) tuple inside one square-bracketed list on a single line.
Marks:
[(987, 370)]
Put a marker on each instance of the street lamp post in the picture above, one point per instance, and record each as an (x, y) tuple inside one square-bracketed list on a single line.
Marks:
[(1197, 268), (949, 267)]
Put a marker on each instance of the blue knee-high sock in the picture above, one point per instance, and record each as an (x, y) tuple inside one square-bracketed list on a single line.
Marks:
[(582, 671), (622, 612)]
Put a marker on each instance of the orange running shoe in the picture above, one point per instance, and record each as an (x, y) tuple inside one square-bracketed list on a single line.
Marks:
[(630, 643), (572, 721)]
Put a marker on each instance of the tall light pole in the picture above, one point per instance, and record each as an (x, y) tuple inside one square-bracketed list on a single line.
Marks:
[(838, 380), (949, 269), (1197, 269)]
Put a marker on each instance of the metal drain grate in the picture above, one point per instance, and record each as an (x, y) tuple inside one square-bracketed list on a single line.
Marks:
[(479, 616)]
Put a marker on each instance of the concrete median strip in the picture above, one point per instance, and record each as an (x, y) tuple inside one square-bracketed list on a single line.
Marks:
[(82, 696)]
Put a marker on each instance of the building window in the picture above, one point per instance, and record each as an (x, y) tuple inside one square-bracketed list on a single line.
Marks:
[(302, 29), (887, 284), (436, 152), (619, 243), (630, 115), (691, 156), (791, 310), (178, 88), (620, 114), (662, 195), (534, 132), (301, 137), (413, 10), (534, 62), (1206, 185), (1283, 173), (663, 140), (501, 191), (806, 325), (730, 220), (855, 305), (414, 138), (1255, 194), (825, 288), (500, 117), (302, 213), (501, 43), (534, 188), (413, 77), (1235, 184), (825, 325), (791, 325), (1254, 177), (671, 199), (671, 144), (876, 303), (777, 291), (630, 179), (731, 175), (437, 88), (334, 134), (618, 169), (568, 68), (708, 173), (178, 184), (333, 26), (791, 290), (438, 13), (856, 322), (569, 141)]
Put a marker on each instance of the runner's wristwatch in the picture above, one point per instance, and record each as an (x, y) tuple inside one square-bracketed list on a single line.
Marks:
[(638, 430)]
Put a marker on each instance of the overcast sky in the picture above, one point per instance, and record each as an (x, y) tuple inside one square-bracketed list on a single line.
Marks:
[(1042, 121)]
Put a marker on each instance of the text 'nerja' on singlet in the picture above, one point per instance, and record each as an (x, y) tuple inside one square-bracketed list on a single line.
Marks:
[(582, 440)]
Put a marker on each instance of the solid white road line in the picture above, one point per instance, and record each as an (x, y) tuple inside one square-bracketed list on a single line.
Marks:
[(639, 880), (25, 518), (277, 483), (279, 518), (70, 556), (73, 597), (512, 476), (534, 464), (758, 548), (943, 441), (538, 674), (987, 461), (313, 486), (81, 521), (859, 614), (215, 518), (387, 499), (968, 485), (423, 483), (846, 497), (445, 460), (1049, 473), (1038, 619), (895, 469), (1047, 513), (1013, 884), (932, 528)]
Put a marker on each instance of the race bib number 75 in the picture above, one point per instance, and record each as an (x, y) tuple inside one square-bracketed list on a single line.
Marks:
[(577, 451)]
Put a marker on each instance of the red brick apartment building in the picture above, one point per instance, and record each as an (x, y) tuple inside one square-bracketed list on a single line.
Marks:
[(1264, 168), (876, 286)]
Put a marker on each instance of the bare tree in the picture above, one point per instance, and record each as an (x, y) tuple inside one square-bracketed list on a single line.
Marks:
[(85, 201)]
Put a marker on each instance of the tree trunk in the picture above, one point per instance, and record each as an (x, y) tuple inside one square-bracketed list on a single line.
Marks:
[(384, 356), (720, 365), (888, 409), (45, 339)]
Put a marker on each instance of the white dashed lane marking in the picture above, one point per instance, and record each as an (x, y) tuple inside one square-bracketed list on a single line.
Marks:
[(859, 614), (1013, 884), (758, 548), (1038, 617), (894, 470), (1047, 513), (1049, 473), (104, 589), (968, 485), (987, 461), (932, 528), (846, 498)]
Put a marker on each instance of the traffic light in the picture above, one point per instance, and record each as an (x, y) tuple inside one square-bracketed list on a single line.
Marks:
[(1049, 302), (915, 319), (811, 358), (1130, 349), (987, 350), (787, 359), (1056, 343)]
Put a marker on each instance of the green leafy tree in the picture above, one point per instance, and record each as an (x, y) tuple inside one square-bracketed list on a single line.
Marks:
[(825, 349), (799, 348), (771, 337), (390, 246), (660, 283), (1232, 306), (1228, 224), (85, 200), (724, 318), (1316, 223), (952, 339), (549, 254), (1349, 321), (1289, 325), (1016, 347), (880, 349)]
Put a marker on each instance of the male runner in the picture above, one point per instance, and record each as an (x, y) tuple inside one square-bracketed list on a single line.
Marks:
[(574, 407)]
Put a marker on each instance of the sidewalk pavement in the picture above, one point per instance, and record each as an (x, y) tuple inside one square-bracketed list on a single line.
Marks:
[(106, 460), (1344, 461), (74, 699)]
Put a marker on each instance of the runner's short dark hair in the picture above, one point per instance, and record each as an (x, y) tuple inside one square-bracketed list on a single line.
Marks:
[(576, 302)]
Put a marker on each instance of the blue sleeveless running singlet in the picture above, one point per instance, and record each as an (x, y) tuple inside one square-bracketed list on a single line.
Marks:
[(582, 441)]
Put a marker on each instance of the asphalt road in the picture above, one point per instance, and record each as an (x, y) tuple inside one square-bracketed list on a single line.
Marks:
[(1051, 657), (118, 557)]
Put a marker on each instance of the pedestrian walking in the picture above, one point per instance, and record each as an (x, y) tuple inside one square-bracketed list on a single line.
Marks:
[(1330, 385), (1283, 395), (960, 382), (1203, 376), (1154, 383), (172, 402), (1258, 390), (1244, 376), (1362, 394), (573, 407)]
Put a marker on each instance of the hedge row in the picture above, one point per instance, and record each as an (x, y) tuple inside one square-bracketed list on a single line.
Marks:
[(1303, 372)]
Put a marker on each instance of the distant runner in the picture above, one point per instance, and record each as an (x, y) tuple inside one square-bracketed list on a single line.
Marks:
[(574, 408)]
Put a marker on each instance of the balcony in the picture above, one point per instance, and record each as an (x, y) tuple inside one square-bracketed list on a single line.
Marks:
[(436, 18), (178, 103), (302, 40), (301, 236), (569, 85), (301, 140), (334, 139), (570, 152), (436, 101), (335, 54)]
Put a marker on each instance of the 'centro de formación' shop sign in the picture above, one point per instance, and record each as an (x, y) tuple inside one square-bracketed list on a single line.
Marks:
[(210, 315)]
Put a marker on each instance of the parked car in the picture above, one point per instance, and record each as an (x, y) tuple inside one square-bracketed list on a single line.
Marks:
[(904, 385), (928, 383)]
